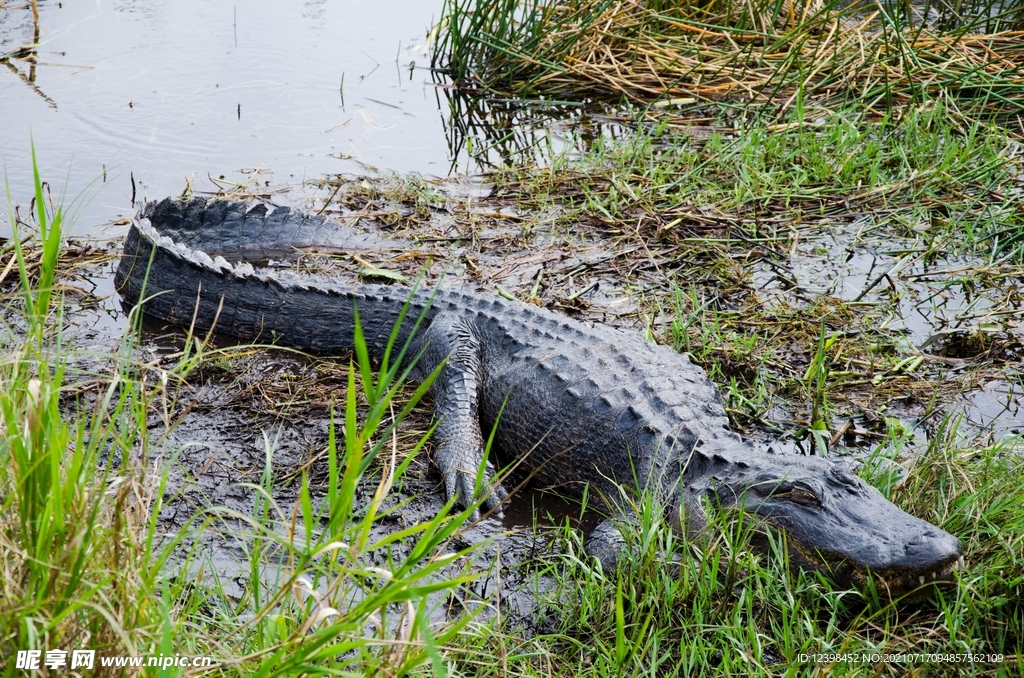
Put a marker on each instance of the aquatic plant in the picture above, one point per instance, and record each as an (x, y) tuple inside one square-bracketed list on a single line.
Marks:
[(681, 55)]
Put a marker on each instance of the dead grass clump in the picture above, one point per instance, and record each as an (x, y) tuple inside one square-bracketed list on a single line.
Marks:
[(763, 52), (73, 259)]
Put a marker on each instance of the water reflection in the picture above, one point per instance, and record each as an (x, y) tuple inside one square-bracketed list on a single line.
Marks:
[(171, 92), (22, 60), (988, 16), (491, 132)]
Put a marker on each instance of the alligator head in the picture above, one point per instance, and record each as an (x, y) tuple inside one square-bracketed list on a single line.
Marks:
[(834, 522)]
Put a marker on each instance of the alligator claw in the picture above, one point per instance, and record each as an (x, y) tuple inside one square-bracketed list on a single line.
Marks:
[(461, 485), (496, 497)]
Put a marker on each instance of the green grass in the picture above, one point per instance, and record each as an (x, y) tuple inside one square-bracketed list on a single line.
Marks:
[(85, 564), (927, 166), (714, 607)]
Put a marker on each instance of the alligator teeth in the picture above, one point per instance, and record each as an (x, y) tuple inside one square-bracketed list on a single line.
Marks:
[(920, 579)]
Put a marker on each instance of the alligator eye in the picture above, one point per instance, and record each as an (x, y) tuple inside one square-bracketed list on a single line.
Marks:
[(797, 494), (802, 496)]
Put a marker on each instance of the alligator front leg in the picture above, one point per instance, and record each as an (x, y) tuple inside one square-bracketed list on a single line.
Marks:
[(459, 442)]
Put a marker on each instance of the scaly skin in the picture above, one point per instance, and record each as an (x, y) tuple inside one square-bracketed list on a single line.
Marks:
[(580, 404)]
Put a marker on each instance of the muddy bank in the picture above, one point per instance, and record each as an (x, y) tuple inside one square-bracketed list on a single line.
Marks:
[(239, 414)]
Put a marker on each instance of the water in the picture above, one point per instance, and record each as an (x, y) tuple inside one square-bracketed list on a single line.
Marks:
[(939, 308), (168, 92)]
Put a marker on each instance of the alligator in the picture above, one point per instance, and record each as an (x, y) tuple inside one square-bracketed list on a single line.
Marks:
[(580, 405)]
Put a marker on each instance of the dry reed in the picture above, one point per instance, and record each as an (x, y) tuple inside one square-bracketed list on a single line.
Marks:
[(749, 52)]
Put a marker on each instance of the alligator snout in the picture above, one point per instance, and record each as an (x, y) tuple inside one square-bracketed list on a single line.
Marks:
[(929, 559), (897, 553)]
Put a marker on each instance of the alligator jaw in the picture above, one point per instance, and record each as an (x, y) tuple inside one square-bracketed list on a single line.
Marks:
[(891, 583), (914, 585), (917, 585)]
